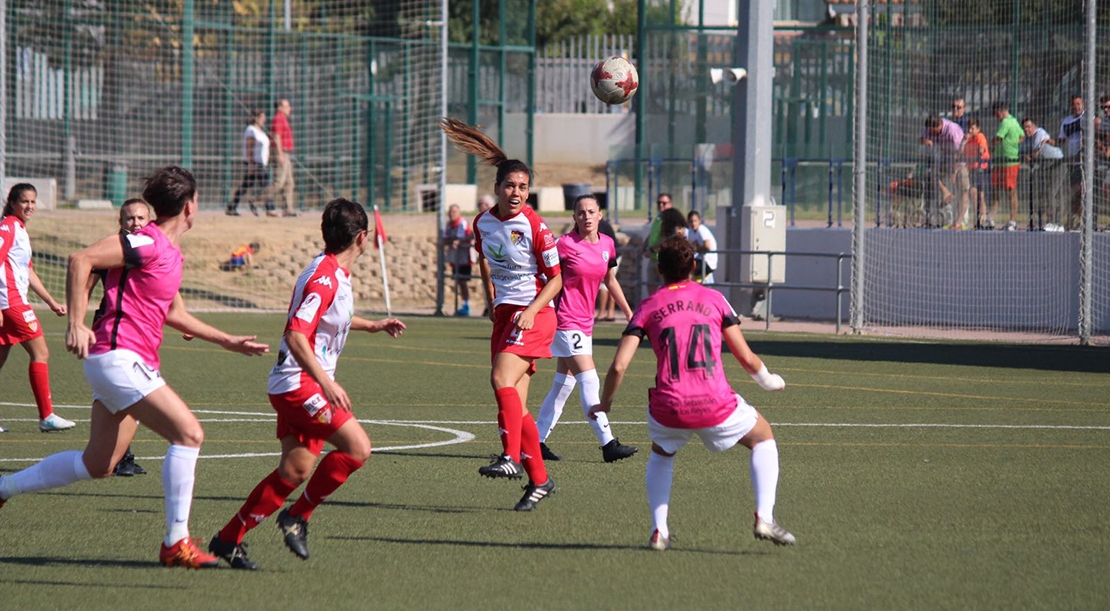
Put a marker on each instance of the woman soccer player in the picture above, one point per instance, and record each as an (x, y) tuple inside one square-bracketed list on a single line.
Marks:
[(311, 406), (520, 277), (587, 258), (121, 361), (18, 324), (685, 323)]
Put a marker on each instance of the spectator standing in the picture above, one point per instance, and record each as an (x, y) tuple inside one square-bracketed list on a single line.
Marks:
[(256, 157), (701, 238), (457, 238), (977, 156), (283, 149), (1006, 163), (1102, 157), (959, 114), (1046, 171), (1071, 138)]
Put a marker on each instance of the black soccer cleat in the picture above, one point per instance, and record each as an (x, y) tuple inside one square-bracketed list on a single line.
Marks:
[(295, 529), (502, 466), (614, 451), (234, 555), (548, 454), (533, 494)]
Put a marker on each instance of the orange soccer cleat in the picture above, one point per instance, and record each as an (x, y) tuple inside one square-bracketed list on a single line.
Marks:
[(187, 553)]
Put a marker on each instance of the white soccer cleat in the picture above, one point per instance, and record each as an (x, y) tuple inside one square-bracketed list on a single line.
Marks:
[(658, 542), (54, 422), (772, 532)]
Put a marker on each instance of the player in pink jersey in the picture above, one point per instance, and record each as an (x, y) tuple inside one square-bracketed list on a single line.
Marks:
[(18, 323), (587, 259), (311, 406), (520, 276), (121, 361), (686, 323)]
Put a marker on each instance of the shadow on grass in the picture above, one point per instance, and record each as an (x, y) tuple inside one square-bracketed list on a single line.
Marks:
[(1082, 359), (54, 561), (548, 546), (404, 507)]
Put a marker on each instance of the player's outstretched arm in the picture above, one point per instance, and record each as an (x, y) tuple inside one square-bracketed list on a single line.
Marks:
[(626, 349), (191, 326), (750, 362), (393, 326)]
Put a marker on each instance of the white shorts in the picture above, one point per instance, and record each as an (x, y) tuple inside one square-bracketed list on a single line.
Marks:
[(572, 343), (715, 438), (120, 379)]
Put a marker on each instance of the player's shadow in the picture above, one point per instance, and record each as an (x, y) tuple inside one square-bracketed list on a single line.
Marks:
[(544, 546), (405, 507), (60, 561)]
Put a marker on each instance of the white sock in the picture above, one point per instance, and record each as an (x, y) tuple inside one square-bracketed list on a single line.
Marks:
[(765, 478), (54, 471), (660, 473), (178, 474), (589, 392), (552, 408)]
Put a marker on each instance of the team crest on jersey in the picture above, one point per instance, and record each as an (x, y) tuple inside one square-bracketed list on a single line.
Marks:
[(516, 237), (605, 256)]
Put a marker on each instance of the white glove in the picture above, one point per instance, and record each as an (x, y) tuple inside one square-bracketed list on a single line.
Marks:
[(768, 380)]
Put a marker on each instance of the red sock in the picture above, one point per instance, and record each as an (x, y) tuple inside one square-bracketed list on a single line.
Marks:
[(530, 444), (509, 413), (39, 373), (266, 498), (330, 474)]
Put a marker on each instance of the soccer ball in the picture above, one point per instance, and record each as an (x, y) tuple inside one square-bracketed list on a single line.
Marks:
[(614, 80)]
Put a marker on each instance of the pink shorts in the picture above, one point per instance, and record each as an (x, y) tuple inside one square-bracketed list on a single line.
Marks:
[(20, 324), (535, 343), (305, 414)]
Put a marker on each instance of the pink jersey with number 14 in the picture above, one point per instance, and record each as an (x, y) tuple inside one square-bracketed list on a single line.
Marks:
[(684, 322)]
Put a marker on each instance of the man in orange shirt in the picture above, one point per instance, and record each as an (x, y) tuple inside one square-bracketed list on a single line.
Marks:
[(281, 136)]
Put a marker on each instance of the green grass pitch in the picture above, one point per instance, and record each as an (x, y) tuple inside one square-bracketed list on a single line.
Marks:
[(916, 475)]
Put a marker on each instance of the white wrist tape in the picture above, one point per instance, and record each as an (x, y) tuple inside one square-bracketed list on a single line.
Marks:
[(768, 380)]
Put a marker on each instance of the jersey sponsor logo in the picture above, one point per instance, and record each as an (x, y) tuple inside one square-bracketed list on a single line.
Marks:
[(498, 254), (138, 241), (324, 280), (551, 257), (548, 240), (28, 316), (516, 237), (543, 226), (309, 307), (5, 228)]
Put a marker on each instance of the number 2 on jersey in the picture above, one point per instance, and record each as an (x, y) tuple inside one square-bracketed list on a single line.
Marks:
[(699, 338)]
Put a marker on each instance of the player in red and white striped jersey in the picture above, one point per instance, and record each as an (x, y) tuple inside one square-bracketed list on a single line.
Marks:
[(521, 277), (311, 406)]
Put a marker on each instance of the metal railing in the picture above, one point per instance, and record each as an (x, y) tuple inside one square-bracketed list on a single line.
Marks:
[(769, 286)]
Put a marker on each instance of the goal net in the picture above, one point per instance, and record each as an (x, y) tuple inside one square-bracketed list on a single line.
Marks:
[(975, 119), (99, 94)]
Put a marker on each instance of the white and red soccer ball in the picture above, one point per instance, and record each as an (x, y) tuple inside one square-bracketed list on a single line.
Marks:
[(614, 80)]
